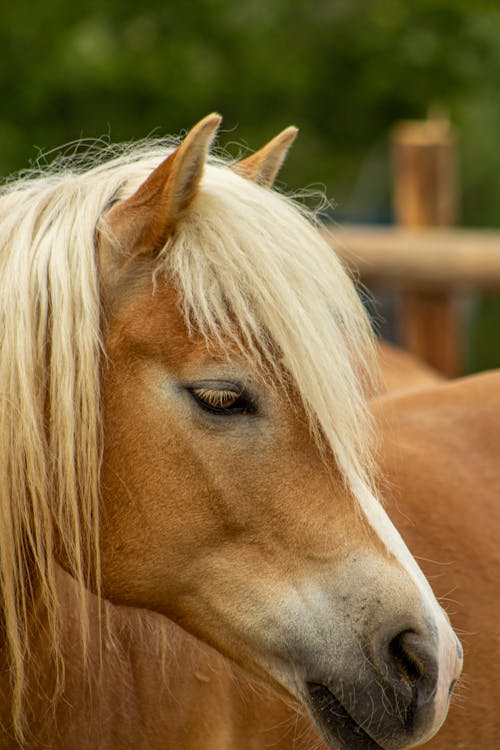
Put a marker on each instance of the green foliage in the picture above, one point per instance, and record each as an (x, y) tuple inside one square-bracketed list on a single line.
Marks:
[(342, 70)]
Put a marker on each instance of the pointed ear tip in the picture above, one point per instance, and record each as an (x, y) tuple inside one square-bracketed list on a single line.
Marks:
[(213, 120), (203, 133), (206, 127), (285, 139), (291, 132)]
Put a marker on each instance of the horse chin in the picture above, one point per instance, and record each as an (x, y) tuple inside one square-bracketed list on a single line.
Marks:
[(339, 729)]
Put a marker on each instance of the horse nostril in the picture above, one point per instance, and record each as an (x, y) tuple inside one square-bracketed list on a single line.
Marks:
[(407, 665), (412, 665)]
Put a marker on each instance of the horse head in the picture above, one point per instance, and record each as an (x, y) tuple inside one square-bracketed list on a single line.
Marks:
[(236, 492)]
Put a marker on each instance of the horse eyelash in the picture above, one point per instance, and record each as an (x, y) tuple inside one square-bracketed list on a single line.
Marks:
[(218, 399)]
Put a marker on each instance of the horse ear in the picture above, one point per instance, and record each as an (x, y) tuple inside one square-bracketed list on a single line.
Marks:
[(142, 223), (263, 166)]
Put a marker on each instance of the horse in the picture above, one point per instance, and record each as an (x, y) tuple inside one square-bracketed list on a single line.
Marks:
[(202, 700), (185, 368)]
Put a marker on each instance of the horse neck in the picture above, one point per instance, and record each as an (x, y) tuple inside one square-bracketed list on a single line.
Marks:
[(59, 699), (40, 677), (110, 698)]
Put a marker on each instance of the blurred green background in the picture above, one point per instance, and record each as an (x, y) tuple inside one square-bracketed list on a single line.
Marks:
[(342, 70)]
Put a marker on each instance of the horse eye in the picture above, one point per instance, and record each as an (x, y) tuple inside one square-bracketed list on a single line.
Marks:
[(224, 401)]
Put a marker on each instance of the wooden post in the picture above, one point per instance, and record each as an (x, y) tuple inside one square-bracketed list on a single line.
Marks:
[(425, 195)]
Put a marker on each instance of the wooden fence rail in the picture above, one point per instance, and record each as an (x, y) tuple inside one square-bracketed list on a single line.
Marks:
[(422, 257), (432, 258)]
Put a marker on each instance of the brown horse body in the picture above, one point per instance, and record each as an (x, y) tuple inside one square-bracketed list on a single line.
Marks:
[(186, 431), (401, 370), (440, 453)]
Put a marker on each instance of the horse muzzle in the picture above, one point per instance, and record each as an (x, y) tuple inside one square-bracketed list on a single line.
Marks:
[(390, 697)]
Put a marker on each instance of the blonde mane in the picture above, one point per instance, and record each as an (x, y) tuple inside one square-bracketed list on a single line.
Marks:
[(250, 266)]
